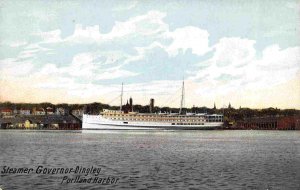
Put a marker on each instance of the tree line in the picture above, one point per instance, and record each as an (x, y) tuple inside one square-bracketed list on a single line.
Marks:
[(230, 114)]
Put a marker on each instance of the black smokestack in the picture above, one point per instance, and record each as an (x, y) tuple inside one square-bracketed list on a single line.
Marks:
[(130, 104), (151, 105)]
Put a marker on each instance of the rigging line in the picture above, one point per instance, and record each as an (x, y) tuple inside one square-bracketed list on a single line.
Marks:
[(176, 95), (114, 99), (107, 94), (172, 99), (169, 98)]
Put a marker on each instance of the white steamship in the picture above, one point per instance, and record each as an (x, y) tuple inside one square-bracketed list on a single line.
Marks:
[(120, 119)]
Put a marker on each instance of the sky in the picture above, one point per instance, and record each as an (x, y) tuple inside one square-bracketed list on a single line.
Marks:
[(72, 51)]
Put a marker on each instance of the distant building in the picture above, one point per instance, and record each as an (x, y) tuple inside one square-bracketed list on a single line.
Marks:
[(77, 112), (270, 123), (40, 122), (28, 124), (38, 111), (24, 111), (49, 111), (126, 108), (60, 111), (6, 112), (15, 111)]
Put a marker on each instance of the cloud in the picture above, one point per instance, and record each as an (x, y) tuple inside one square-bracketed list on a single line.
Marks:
[(116, 73), (148, 24), (229, 56), (16, 44), (151, 58), (11, 68), (136, 39), (275, 67), (276, 58), (235, 66), (125, 7), (83, 66), (139, 31), (53, 36), (292, 5), (234, 51), (89, 34), (189, 37)]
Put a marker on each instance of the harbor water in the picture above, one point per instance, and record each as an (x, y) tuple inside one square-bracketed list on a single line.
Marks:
[(214, 159)]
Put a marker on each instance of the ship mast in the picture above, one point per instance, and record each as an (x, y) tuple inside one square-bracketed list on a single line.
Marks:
[(182, 98), (121, 98)]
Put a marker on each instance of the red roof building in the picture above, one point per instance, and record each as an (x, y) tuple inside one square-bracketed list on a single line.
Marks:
[(6, 112)]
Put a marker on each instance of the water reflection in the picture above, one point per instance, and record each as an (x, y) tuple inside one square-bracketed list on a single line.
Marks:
[(156, 159)]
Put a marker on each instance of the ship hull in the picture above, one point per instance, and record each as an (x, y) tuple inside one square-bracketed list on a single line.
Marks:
[(99, 123)]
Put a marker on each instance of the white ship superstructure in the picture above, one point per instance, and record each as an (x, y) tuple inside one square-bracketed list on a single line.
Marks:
[(118, 119)]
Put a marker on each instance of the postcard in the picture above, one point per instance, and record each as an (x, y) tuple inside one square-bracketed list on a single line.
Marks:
[(137, 94)]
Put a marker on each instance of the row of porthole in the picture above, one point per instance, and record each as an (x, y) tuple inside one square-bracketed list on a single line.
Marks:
[(152, 120), (145, 116)]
